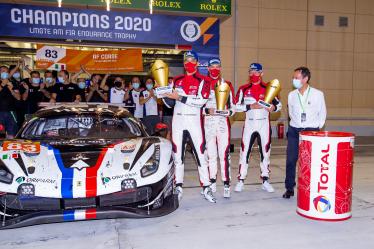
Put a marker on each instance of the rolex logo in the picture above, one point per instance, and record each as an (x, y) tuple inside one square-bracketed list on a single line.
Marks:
[(214, 1)]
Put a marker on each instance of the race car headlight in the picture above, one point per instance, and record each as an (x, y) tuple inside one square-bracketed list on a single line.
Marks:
[(5, 175), (151, 166), (26, 189)]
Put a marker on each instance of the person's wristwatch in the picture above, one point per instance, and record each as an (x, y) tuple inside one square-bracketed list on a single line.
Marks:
[(180, 98)]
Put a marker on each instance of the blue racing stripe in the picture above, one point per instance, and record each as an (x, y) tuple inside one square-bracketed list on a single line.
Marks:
[(67, 175), (69, 215)]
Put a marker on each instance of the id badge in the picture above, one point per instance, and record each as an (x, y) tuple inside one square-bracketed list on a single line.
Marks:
[(303, 117)]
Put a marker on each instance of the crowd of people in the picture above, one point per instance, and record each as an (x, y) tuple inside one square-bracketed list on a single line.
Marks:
[(20, 96), (189, 112)]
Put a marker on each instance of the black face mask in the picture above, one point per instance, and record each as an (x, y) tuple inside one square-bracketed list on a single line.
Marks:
[(118, 84)]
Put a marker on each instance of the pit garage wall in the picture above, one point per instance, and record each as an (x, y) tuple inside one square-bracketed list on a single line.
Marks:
[(281, 35)]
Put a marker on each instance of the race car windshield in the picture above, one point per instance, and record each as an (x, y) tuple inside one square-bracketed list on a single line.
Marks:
[(82, 126)]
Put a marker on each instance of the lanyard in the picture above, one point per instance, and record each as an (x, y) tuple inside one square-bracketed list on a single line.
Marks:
[(306, 99)]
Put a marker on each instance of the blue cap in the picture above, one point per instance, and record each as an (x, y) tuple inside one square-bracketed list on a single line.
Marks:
[(191, 54), (214, 61), (255, 67)]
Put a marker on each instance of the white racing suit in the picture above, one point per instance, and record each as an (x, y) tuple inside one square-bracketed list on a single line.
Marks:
[(256, 126), (188, 124), (217, 135)]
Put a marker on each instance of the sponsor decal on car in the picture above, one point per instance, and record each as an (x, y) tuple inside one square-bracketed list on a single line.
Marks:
[(29, 148), (105, 180), (128, 148), (68, 142), (20, 179), (124, 176), (40, 180), (118, 177)]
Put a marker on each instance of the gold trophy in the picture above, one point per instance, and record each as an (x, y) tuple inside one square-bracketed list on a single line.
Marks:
[(222, 93), (160, 72), (272, 90)]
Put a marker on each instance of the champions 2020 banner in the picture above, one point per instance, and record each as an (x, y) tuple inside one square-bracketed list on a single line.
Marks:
[(44, 22)]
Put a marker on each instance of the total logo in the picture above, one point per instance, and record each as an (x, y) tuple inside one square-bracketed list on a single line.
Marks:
[(190, 31), (324, 171), (322, 204)]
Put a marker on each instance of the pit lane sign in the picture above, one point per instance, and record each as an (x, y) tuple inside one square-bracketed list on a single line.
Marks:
[(216, 7), (56, 58)]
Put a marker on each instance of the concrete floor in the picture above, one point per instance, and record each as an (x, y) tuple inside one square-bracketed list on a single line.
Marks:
[(252, 219)]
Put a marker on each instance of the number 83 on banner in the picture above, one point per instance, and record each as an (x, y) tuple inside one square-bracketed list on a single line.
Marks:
[(50, 53)]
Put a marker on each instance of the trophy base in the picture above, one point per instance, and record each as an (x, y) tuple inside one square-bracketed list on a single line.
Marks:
[(264, 104), (163, 90)]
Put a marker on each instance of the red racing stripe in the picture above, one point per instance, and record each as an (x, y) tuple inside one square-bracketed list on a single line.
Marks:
[(90, 213), (91, 175)]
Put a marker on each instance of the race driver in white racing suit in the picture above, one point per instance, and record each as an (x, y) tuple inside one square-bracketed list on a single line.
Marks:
[(218, 129), (256, 126), (190, 95)]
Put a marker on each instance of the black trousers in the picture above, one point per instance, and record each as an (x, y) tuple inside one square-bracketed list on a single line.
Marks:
[(293, 154)]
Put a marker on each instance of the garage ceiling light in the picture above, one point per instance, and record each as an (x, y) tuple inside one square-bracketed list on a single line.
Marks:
[(21, 45), (151, 7), (107, 5)]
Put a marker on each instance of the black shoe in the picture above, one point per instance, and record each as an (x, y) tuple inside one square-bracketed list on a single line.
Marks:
[(288, 194)]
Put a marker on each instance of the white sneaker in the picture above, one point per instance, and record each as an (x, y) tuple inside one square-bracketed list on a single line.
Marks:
[(179, 191), (208, 195), (239, 186), (267, 187), (226, 191), (213, 186)]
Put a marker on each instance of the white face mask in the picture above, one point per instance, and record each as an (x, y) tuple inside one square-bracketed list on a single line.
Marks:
[(297, 83), (61, 79), (82, 85), (36, 80), (16, 75)]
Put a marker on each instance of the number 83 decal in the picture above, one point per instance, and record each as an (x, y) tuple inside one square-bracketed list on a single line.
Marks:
[(27, 147)]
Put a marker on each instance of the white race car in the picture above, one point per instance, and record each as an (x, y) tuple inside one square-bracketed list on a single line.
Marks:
[(84, 162)]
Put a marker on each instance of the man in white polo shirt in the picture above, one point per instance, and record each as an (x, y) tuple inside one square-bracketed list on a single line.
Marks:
[(150, 111), (307, 112), (134, 95)]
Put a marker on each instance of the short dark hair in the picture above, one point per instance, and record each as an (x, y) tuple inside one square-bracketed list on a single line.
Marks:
[(35, 72), (305, 72), (65, 72), (11, 67), (135, 77), (94, 75)]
